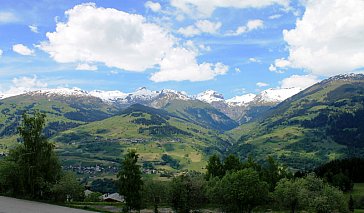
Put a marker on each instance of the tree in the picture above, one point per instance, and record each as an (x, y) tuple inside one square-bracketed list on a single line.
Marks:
[(351, 203), (287, 193), (130, 181), (68, 188), (155, 192), (93, 197), (311, 194), (240, 191), (40, 164), (32, 167), (232, 163), (187, 192), (272, 172), (214, 167)]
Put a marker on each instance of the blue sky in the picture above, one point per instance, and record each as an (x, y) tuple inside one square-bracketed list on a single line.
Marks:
[(231, 46)]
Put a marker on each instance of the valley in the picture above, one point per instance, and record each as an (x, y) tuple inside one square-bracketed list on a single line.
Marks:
[(174, 132)]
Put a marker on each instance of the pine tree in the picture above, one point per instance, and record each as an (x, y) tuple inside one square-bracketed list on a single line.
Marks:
[(130, 181)]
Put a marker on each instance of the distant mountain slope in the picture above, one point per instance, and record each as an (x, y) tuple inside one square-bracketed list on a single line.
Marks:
[(65, 109), (321, 123), (153, 132), (200, 113)]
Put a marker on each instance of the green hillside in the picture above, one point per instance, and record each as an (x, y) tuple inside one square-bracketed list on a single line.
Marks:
[(200, 113), (322, 123), (164, 141)]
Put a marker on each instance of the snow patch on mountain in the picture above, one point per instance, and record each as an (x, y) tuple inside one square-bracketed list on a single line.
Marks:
[(108, 96), (276, 95), (210, 96), (242, 100), (60, 92)]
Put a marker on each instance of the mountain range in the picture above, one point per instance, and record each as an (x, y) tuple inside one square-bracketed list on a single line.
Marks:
[(173, 131)]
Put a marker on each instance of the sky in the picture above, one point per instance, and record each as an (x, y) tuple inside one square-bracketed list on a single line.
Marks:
[(231, 46)]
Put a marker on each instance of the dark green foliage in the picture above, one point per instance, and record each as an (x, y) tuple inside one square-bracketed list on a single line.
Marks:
[(174, 163), (351, 204), (311, 194), (154, 120), (104, 186), (342, 173), (68, 189), (163, 131), (156, 193), (93, 197), (37, 167), (232, 163), (272, 172), (240, 191), (214, 167), (187, 193), (130, 181)]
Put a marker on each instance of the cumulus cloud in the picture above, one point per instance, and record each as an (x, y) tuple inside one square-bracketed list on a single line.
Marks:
[(125, 41), (33, 28), (250, 26), (204, 8), (154, 6), (201, 26), (24, 84), (262, 84), (1, 52), (8, 17), (119, 39), (22, 49), (299, 81), (86, 67), (328, 39), (181, 65), (280, 65)]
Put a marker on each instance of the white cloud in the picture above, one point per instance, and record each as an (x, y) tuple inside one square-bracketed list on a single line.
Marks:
[(154, 6), (328, 39), (189, 31), (33, 28), (24, 84), (250, 26), (255, 60), (126, 41), (201, 26), (181, 65), (1, 52), (8, 17), (280, 65), (299, 81), (275, 16), (22, 49), (119, 39), (204, 8), (86, 67), (262, 84), (237, 69)]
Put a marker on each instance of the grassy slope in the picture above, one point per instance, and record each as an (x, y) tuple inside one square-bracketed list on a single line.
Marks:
[(103, 142), (281, 134)]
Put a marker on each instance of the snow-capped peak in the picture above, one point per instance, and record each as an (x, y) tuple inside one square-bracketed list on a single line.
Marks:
[(60, 91), (210, 96), (276, 95), (241, 100), (108, 95), (182, 95)]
